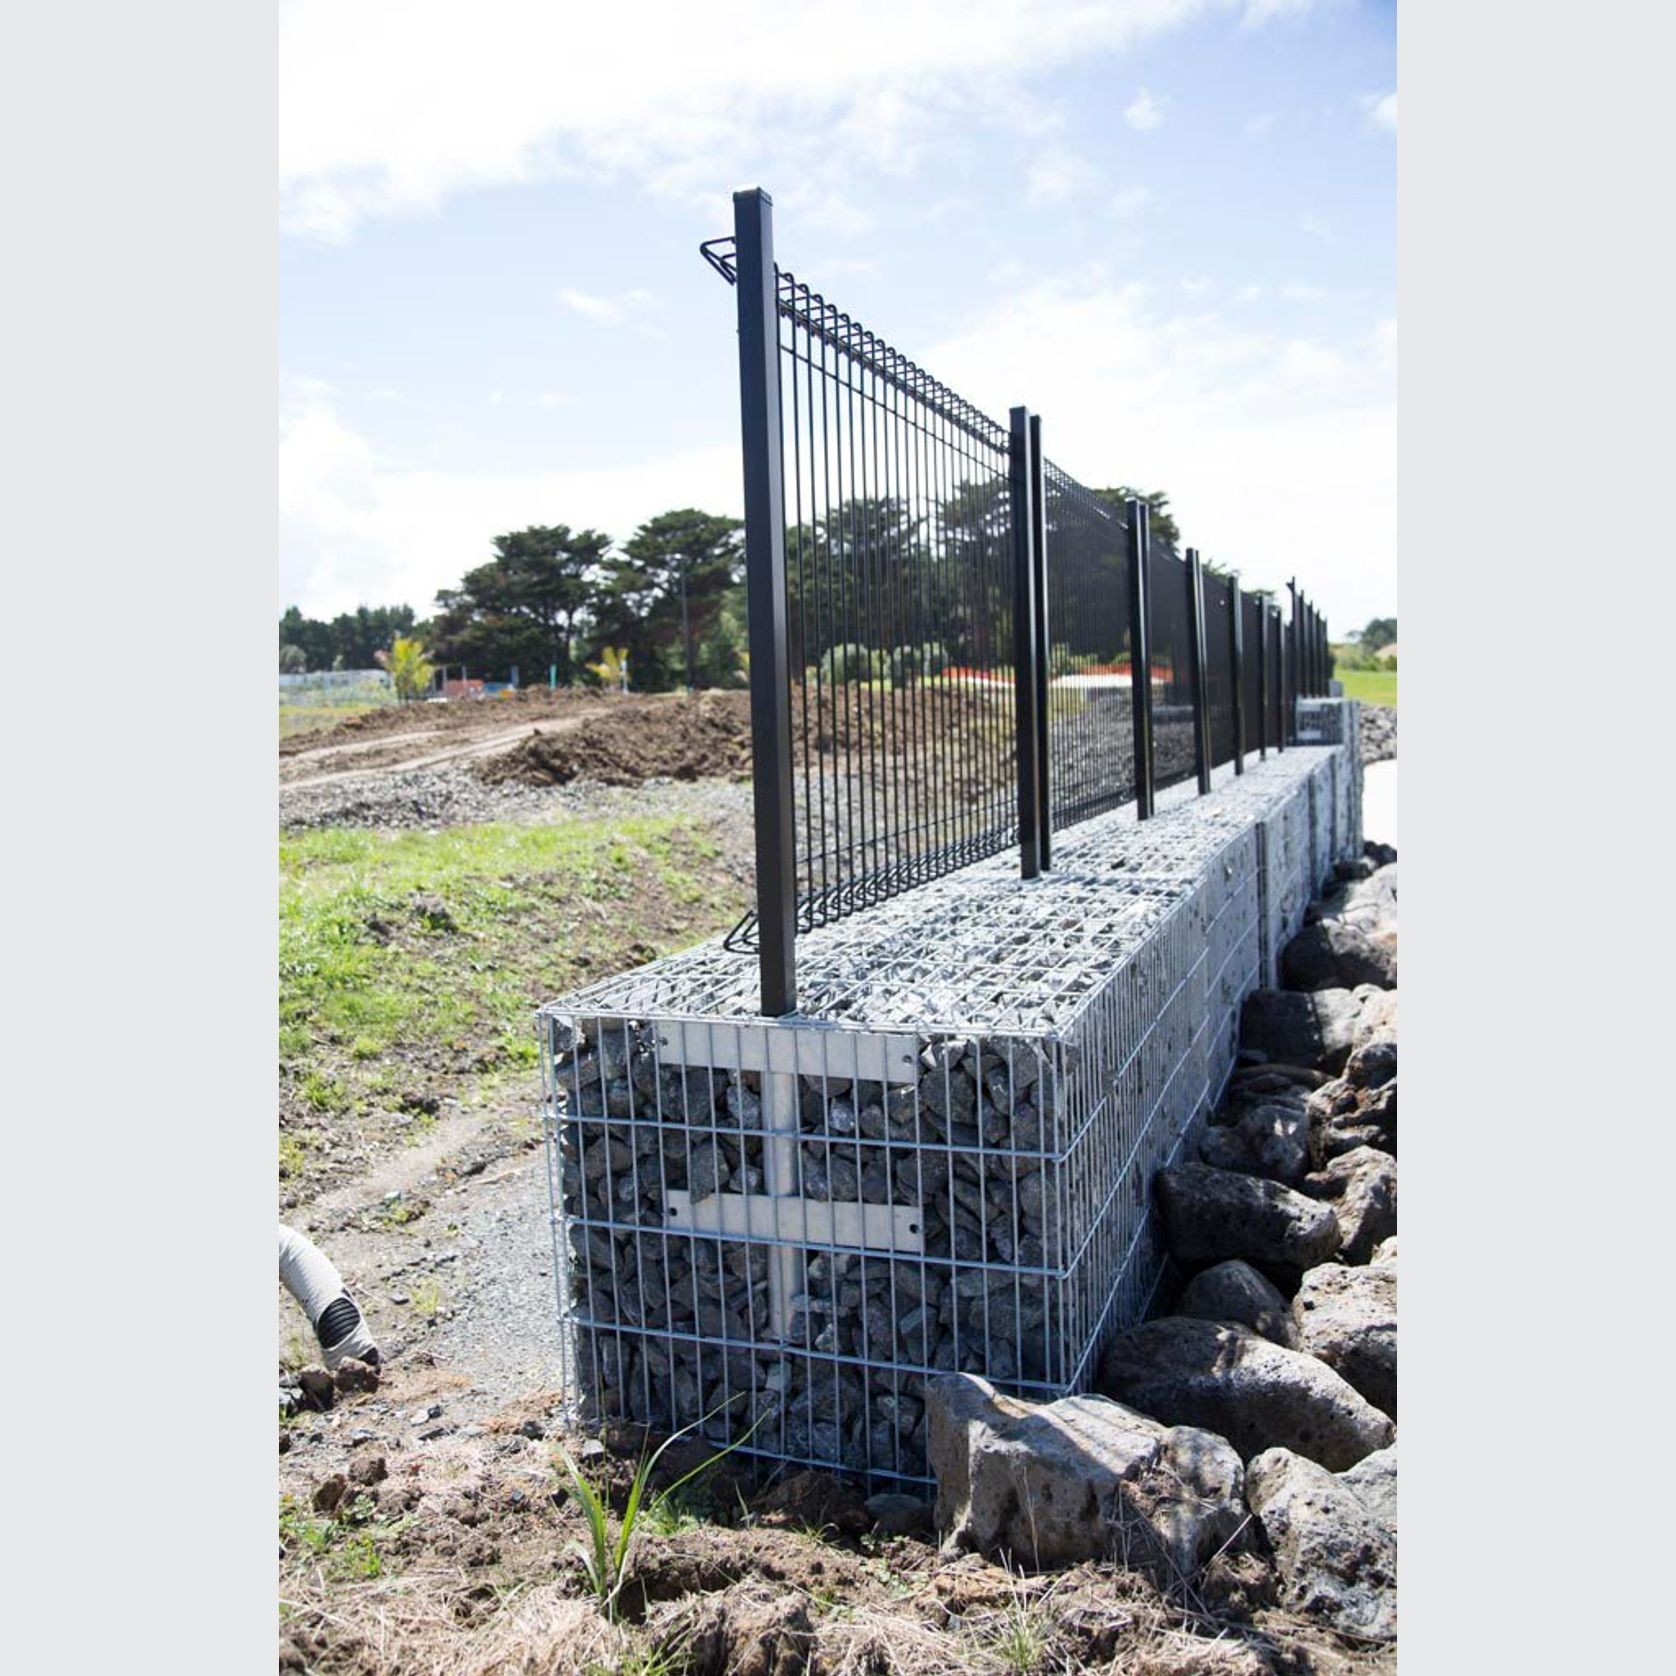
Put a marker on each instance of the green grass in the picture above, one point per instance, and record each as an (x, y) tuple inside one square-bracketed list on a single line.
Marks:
[(1371, 686), (316, 718), (349, 1546), (410, 959)]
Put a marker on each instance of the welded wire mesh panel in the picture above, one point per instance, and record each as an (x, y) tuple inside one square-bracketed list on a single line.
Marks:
[(1091, 737), (1219, 667), (1251, 673), (1172, 669), (899, 591)]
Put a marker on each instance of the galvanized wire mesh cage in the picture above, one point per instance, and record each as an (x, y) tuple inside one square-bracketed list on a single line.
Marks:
[(780, 1229)]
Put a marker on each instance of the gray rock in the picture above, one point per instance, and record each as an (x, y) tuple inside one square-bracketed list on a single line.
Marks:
[(1256, 1394), (708, 1172), (1348, 1318), (1336, 1559), (898, 1515), (1386, 1251), (1374, 1479), (1376, 1016), (1269, 1139), (1234, 1291), (1334, 954), (1056, 1483), (1316, 1029), (1373, 1064), (1348, 1113), (1370, 905), (1211, 1215), (1361, 1186)]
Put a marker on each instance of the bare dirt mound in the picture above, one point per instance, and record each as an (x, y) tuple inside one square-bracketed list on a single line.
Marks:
[(707, 736), (533, 704)]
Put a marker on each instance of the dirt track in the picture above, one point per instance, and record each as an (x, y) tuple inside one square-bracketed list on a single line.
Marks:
[(424, 735)]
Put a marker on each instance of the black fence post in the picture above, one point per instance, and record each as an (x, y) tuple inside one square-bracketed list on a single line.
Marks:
[(1236, 652), (1044, 648), (1025, 686), (765, 569), (1278, 628), (1196, 662), (1140, 653), (1289, 664), (1263, 678)]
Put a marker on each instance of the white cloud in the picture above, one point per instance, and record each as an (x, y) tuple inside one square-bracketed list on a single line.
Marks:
[(552, 398), (1295, 293), (356, 529), (1316, 228), (1056, 176), (1146, 112), (388, 107), (1259, 125), (1130, 202), (1381, 111), (1278, 451), (1198, 285), (1259, 12), (610, 311)]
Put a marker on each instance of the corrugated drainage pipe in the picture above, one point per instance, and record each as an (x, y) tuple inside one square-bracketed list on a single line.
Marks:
[(315, 1283)]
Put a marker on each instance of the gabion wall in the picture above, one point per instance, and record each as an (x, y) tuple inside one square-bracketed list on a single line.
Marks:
[(781, 1228)]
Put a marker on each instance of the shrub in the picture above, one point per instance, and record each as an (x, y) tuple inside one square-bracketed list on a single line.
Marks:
[(909, 664), (848, 663)]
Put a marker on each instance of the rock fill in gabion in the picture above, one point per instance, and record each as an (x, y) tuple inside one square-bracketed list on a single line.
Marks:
[(781, 1229)]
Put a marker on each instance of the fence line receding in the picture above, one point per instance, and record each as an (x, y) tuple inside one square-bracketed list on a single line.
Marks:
[(956, 619)]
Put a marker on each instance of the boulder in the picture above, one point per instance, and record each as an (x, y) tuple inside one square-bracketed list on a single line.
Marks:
[(1337, 1561), (1376, 1014), (1315, 1029), (1211, 1215), (1361, 1186), (1052, 1484), (1333, 954), (1374, 1479), (1348, 1318), (1386, 1251), (1373, 1063), (1358, 1108), (1234, 1291), (1370, 905), (1268, 1138), (1232, 1381), (894, 1514)]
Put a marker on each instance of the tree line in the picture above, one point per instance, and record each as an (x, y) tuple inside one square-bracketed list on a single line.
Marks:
[(669, 602)]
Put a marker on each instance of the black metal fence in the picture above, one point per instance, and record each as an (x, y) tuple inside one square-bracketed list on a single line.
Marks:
[(955, 647)]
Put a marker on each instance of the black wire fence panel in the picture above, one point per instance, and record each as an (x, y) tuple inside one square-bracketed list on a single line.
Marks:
[(1171, 627), (1091, 729), (899, 587), (1219, 667), (1251, 670)]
